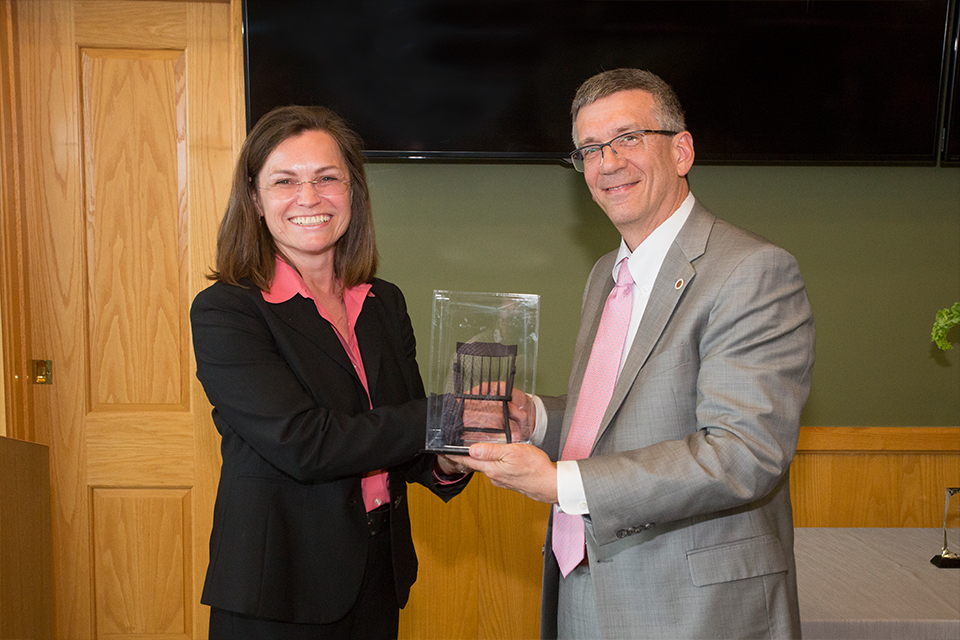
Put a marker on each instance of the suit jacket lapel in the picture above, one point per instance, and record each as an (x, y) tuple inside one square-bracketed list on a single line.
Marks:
[(370, 338), (301, 316), (674, 277)]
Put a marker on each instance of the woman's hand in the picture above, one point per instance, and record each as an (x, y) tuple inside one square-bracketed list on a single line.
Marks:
[(448, 465)]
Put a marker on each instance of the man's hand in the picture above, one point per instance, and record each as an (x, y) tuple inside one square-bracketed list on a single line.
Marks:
[(520, 467)]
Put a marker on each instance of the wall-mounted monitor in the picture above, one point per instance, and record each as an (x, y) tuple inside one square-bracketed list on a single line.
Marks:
[(950, 151), (762, 81)]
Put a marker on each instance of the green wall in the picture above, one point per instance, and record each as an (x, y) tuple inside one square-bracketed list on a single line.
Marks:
[(879, 248)]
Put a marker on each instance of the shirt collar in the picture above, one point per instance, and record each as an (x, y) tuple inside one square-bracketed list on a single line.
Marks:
[(648, 257), (288, 283)]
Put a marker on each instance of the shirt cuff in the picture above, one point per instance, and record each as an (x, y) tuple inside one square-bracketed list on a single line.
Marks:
[(570, 494), (540, 431)]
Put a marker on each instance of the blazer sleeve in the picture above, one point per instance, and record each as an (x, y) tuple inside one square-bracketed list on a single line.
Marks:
[(396, 322), (715, 412), (287, 399), (554, 406)]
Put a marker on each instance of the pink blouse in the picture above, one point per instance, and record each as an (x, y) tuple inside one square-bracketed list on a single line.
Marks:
[(286, 284)]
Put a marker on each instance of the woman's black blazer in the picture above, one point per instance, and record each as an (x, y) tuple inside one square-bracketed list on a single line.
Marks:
[(290, 536)]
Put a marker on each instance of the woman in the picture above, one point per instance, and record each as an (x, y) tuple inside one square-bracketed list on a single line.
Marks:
[(309, 362)]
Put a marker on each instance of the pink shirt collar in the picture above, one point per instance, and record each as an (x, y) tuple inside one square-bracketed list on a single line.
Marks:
[(288, 283)]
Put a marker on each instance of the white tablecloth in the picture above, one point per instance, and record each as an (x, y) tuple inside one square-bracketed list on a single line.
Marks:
[(876, 584)]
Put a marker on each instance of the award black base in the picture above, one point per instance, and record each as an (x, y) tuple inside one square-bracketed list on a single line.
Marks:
[(946, 562), (449, 449)]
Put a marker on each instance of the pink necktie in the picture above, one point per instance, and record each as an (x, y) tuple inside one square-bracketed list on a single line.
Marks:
[(595, 391)]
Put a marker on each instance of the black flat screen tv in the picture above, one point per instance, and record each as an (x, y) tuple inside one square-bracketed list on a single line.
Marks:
[(761, 81), (950, 151)]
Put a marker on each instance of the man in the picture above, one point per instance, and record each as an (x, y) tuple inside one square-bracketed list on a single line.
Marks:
[(673, 484)]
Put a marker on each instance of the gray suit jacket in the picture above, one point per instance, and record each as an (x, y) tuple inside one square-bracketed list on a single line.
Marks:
[(690, 531)]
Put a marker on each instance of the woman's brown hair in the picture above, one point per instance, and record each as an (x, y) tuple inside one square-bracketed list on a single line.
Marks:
[(245, 248)]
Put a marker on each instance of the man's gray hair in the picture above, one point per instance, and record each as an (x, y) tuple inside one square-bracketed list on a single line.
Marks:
[(666, 105)]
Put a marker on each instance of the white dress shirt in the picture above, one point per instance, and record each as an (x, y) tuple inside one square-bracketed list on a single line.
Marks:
[(644, 265)]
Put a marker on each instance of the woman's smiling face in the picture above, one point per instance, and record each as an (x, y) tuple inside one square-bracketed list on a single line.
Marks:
[(305, 224)]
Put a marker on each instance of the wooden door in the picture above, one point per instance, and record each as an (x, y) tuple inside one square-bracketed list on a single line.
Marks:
[(128, 115)]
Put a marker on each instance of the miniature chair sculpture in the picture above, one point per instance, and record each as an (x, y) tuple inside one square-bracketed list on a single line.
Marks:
[(482, 371)]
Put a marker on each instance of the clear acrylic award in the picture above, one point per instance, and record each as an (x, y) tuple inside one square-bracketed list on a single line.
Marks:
[(483, 346)]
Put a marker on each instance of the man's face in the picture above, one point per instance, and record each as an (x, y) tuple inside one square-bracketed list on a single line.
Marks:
[(641, 188)]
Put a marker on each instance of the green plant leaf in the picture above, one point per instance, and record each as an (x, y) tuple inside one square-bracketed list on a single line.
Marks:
[(946, 320)]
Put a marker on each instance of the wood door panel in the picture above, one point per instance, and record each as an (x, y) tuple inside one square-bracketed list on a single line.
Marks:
[(144, 448), (135, 188), (132, 24), (141, 560)]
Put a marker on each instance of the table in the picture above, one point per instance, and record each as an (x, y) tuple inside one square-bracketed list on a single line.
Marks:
[(876, 584)]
